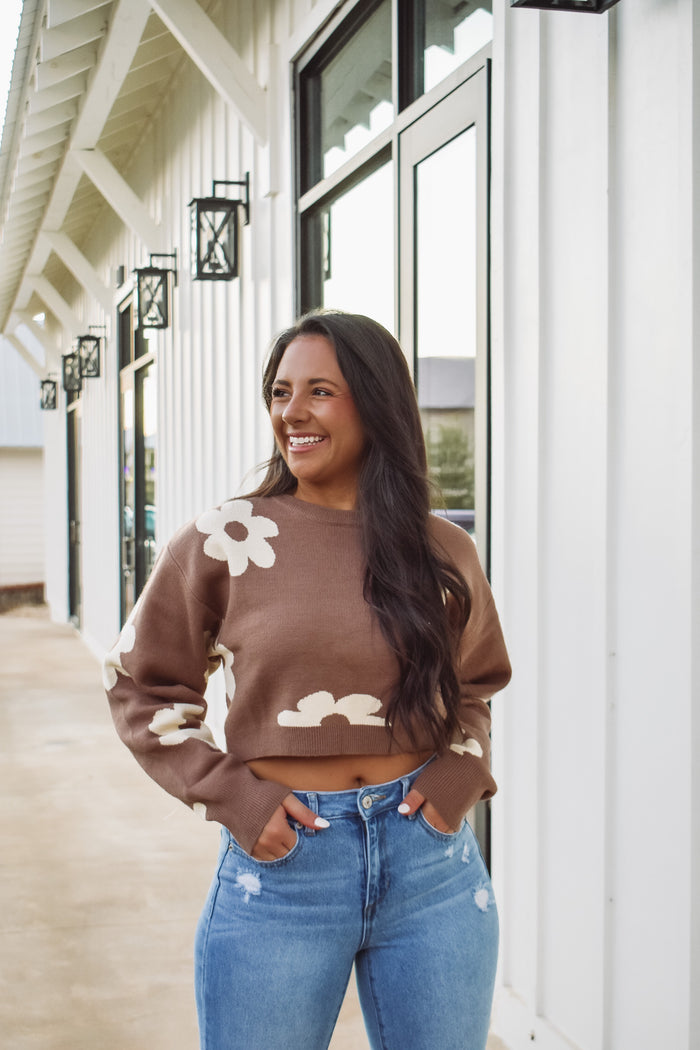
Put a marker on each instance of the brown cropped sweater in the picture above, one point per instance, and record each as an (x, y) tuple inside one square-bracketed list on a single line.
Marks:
[(272, 590)]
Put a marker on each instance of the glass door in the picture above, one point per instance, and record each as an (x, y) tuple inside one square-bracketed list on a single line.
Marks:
[(444, 294), (74, 449), (138, 413)]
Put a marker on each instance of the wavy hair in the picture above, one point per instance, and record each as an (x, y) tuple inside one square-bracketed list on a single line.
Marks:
[(421, 600)]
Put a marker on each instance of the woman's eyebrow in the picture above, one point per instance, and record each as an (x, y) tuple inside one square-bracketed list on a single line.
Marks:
[(310, 382)]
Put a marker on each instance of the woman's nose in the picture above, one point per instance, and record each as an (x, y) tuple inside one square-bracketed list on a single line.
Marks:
[(295, 409)]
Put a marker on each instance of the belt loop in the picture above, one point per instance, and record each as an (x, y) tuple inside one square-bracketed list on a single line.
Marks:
[(406, 782), (312, 803), (312, 800)]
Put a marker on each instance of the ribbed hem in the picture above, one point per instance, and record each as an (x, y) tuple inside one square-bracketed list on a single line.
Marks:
[(334, 737)]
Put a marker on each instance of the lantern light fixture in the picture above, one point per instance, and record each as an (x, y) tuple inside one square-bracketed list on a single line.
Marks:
[(214, 229), (594, 6), (72, 378), (49, 395), (89, 347), (153, 291)]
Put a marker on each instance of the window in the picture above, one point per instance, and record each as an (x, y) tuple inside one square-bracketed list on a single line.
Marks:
[(138, 414)]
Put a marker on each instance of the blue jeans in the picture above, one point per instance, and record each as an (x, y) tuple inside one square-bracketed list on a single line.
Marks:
[(411, 907)]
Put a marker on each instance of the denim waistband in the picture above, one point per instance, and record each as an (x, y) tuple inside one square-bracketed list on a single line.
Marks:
[(366, 801)]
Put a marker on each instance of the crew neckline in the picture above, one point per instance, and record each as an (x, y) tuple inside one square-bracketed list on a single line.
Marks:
[(317, 512)]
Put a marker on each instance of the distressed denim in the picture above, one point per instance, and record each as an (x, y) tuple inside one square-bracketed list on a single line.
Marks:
[(411, 907)]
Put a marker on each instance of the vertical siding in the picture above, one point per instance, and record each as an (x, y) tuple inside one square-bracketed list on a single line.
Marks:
[(22, 518), (21, 423), (593, 353), (572, 524), (652, 542)]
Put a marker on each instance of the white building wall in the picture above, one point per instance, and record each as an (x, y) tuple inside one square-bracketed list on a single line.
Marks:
[(593, 486), (593, 357), (22, 517), (21, 472)]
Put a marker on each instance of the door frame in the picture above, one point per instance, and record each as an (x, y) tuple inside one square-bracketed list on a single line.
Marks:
[(464, 107), (74, 416)]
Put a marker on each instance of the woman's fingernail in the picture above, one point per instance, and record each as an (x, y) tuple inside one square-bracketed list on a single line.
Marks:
[(321, 823), (404, 808)]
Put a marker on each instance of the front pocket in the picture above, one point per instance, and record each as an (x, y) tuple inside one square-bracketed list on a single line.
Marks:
[(441, 836), (238, 850)]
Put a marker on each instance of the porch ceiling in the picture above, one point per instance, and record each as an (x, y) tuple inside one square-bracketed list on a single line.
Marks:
[(87, 75)]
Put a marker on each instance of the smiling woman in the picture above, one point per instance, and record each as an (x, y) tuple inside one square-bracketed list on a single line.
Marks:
[(361, 643)]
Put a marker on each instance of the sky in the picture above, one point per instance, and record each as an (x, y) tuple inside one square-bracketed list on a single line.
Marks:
[(9, 24)]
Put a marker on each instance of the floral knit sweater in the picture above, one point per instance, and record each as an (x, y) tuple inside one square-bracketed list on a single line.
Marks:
[(272, 589)]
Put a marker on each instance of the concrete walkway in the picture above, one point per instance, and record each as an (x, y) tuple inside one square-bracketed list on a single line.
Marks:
[(102, 875)]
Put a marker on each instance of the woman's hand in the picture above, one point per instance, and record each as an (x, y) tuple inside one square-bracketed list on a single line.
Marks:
[(277, 838), (414, 801)]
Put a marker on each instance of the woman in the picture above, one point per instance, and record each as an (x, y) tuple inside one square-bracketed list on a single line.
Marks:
[(359, 641)]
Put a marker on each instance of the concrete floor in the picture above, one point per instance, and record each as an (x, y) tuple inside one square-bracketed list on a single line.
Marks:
[(102, 875)]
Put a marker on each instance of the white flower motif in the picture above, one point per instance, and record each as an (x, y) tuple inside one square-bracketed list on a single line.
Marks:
[(167, 721), (469, 747), (221, 546), (112, 661), (358, 708)]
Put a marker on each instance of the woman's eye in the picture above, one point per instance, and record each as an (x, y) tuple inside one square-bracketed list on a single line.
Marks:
[(320, 391), (278, 391)]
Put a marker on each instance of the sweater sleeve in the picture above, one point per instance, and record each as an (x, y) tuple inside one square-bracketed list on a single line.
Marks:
[(460, 776), (155, 677)]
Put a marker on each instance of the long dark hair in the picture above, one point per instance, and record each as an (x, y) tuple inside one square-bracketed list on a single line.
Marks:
[(420, 599)]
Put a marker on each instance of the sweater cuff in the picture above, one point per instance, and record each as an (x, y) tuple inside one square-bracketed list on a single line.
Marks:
[(247, 816), (454, 783)]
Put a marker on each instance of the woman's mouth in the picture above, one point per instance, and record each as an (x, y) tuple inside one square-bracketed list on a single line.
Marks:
[(303, 443)]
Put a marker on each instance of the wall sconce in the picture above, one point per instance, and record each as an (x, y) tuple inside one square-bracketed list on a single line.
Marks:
[(214, 225), (72, 378), (152, 292), (49, 395), (89, 347), (595, 6)]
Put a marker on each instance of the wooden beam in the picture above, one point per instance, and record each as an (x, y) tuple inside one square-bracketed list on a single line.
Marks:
[(52, 352), (118, 53), (80, 267), (26, 354), (120, 196), (58, 306), (79, 61), (37, 144), (71, 88), (60, 11), (74, 34), (63, 113), (217, 60)]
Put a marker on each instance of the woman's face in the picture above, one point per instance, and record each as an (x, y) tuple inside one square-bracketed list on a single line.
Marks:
[(316, 423)]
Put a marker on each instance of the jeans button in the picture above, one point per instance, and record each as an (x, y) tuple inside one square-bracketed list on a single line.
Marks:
[(366, 802)]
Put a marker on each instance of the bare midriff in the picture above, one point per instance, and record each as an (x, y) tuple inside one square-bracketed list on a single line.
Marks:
[(337, 772)]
